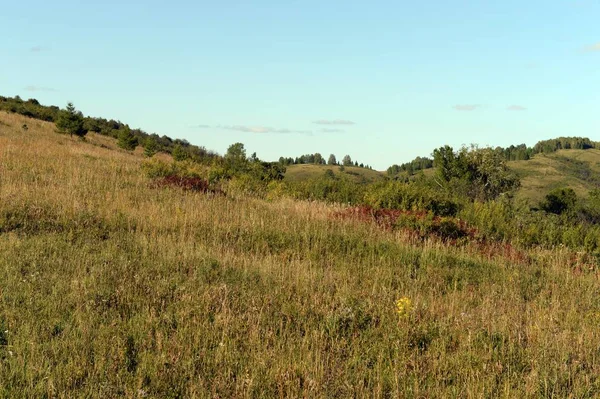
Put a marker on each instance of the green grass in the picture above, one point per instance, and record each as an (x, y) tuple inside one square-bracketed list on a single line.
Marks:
[(296, 173), (112, 288), (577, 169)]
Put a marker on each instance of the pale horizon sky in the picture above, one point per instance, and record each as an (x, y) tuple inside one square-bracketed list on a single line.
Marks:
[(382, 81)]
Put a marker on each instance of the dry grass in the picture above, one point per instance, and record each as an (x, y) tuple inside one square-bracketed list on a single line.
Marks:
[(111, 288), (296, 173), (547, 171)]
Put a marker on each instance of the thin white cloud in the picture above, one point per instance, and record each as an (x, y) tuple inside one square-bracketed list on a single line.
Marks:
[(515, 107), (263, 129), (333, 122), (332, 130), (200, 126), (466, 107), (593, 47), (37, 49), (38, 88)]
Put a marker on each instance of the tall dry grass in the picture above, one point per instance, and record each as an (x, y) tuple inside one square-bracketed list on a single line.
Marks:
[(110, 288)]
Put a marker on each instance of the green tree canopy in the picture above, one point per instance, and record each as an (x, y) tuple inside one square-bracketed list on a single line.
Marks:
[(559, 201), (126, 139), (478, 173), (71, 121), (235, 158), (150, 146), (179, 152)]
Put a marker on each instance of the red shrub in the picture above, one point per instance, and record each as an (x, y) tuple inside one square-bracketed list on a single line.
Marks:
[(186, 183)]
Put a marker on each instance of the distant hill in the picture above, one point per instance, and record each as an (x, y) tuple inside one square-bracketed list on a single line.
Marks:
[(576, 169), (306, 171), (572, 162)]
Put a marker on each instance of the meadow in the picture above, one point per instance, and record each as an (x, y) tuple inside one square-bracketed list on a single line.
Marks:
[(112, 287), (577, 169), (301, 172)]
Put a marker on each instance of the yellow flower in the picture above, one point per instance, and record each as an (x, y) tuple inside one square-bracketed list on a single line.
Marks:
[(404, 307)]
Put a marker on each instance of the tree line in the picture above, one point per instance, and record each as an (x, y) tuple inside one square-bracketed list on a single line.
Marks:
[(73, 122), (318, 159), (512, 153)]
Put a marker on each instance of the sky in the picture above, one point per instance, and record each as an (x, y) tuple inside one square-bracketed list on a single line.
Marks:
[(381, 81)]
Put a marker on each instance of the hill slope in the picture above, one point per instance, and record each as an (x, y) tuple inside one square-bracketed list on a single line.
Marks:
[(359, 175), (577, 169), (111, 287)]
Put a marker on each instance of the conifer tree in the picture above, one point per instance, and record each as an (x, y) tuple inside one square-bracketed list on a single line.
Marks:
[(126, 139), (71, 121), (150, 147)]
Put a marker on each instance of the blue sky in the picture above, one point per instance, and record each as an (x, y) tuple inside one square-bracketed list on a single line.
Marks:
[(383, 81)]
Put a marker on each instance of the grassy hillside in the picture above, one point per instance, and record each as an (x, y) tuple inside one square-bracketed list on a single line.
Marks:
[(577, 169), (112, 288), (303, 172)]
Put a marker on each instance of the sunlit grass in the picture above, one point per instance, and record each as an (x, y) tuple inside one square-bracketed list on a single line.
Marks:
[(109, 287)]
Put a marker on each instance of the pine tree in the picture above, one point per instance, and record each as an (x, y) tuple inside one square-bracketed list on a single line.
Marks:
[(71, 121), (150, 147), (126, 139)]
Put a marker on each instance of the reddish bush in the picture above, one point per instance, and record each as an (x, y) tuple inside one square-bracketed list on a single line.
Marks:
[(186, 183), (419, 223), (382, 217), (450, 230)]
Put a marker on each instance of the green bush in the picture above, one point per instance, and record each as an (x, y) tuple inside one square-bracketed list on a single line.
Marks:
[(559, 201), (409, 196), (155, 168)]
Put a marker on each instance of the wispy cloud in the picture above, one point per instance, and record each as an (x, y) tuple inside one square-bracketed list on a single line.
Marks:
[(515, 107), (332, 130), (264, 129), (593, 47), (200, 126), (333, 122), (37, 49), (38, 88), (466, 107)]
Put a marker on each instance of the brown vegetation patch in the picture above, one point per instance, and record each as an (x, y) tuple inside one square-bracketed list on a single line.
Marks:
[(389, 218), (186, 183), (504, 250), (424, 226), (382, 217)]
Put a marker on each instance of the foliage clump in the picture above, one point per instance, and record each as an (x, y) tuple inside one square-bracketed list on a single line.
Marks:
[(476, 173), (70, 121), (127, 139), (559, 201)]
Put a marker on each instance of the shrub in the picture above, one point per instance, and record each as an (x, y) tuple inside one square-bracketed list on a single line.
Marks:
[(559, 201), (410, 197), (185, 183), (155, 168)]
